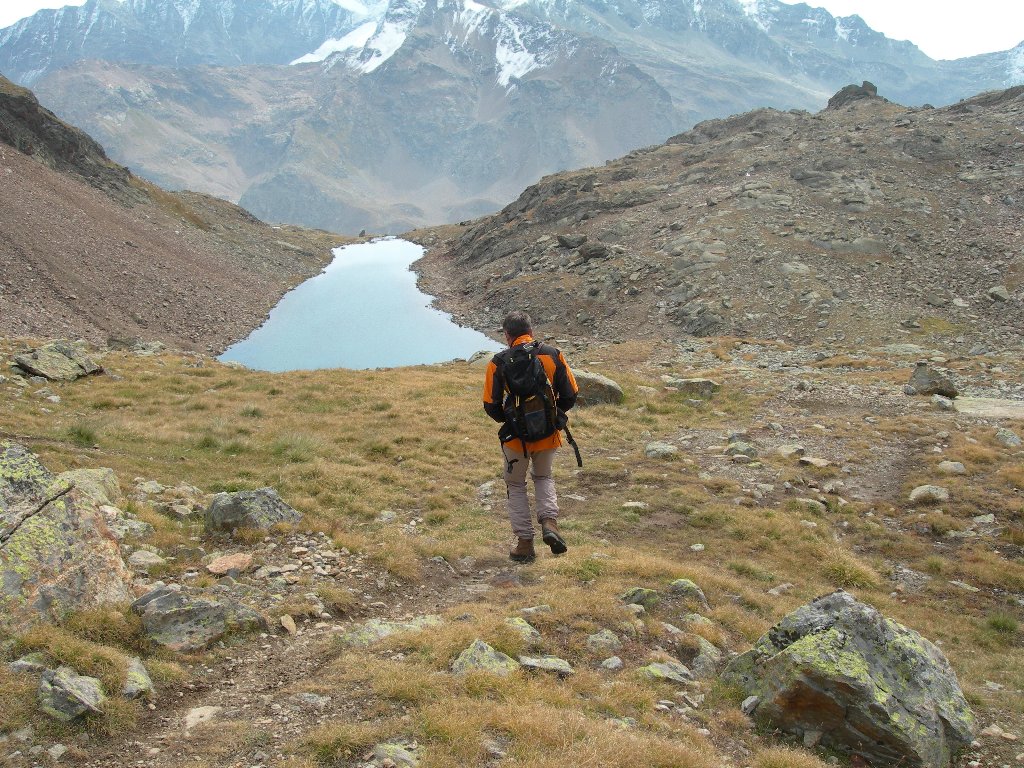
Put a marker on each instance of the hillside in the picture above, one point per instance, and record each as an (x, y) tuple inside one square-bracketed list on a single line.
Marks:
[(357, 612), (865, 223), (91, 251)]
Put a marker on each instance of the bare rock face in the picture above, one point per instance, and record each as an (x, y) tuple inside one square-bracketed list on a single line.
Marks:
[(852, 93), (839, 674), (56, 553)]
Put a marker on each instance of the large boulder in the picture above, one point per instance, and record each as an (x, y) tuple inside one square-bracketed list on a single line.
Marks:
[(99, 485), (180, 621), (57, 554), (261, 509), (57, 361), (839, 674), (926, 381), (596, 389)]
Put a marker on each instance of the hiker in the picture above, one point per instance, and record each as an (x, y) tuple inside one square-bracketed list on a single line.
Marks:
[(540, 413)]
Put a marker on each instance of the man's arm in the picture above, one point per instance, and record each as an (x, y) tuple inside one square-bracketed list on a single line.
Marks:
[(494, 391), (566, 387)]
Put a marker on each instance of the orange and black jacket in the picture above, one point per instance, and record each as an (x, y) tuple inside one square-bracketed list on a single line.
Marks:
[(562, 382)]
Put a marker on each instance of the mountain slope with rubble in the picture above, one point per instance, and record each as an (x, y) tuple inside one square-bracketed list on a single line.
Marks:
[(865, 223)]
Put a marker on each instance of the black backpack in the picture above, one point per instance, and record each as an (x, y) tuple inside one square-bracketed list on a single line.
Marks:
[(530, 405)]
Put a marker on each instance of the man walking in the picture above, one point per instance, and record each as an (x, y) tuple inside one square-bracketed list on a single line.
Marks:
[(520, 451)]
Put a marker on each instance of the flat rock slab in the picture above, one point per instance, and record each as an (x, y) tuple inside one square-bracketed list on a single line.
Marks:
[(182, 622), (991, 407), (221, 566), (65, 695), (200, 715), (57, 361), (375, 630), (546, 664)]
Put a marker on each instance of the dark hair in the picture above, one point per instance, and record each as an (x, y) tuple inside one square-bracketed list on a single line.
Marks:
[(516, 324)]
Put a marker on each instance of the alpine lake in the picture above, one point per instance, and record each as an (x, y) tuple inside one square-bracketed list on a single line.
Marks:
[(363, 311)]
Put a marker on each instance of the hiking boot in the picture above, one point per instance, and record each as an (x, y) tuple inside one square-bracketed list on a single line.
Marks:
[(523, 553), (553, 538)]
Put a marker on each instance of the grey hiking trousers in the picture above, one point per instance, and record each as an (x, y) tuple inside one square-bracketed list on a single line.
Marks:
[(543, 487)]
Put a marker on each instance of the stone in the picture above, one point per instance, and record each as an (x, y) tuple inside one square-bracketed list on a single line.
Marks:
[(137, 683), (143, 560), (1008, 438), (613, 663), (375, 630), (395, 755), (660, 450), (288, 624), (596, 389), (998, 293), (926, 381), (571, 241), (260, 509), (65, 695), (872, 687), (481, 657), (705, 664), (668, 670), (688, 590), (702, 389), (929, 493), (31, 663), (546, 664), (648, 598), (57, 554), (535, 610), (100, 485), (605, 640), (200, 716), (814, 461), (952, 468), (57, 361), (525, 630), (591, 250), (183, 622), (942, 403), (789, 451), (239, 562), (740, 448)]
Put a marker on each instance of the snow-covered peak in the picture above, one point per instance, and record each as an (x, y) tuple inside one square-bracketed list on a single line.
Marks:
[(756, 11), (357, 38)]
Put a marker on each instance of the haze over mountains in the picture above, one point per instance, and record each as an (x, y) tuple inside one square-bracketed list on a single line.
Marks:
[(421, 111)]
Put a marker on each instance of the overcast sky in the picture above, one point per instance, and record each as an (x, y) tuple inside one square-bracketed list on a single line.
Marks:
[(943, 29)]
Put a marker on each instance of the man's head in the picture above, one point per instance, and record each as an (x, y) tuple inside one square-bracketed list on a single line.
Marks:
[(517, 324)]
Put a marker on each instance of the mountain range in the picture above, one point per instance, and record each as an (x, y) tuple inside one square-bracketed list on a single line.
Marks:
[(351, 116)]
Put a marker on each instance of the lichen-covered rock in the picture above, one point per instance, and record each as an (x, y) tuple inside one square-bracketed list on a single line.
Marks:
[(183, 622), (481, 657), (667, 670), (395, 755), (375, 630), (656, 449), (702, 389), (137, 682), (260, 509), (1008, 438), (56, 553), (98, 485), (525, 630), (929, 493), (65, 695), (868, 685), (705, 664), (596, 389), (648, 598), (57, 361), (603, 641), (687, 589), (554, 664)]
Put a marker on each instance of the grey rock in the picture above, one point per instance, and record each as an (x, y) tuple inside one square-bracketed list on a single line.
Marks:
[(525, 630), (66, 695), (183, 622), (605, 640), (591, 250), (481, 657), (596, 389), (260, 509), (952, 468), (926, 381), (58, 361), (648, 598), (740, 448), (138, 683), (143, 560), (929, 493), (1008, 438), (999, 293), (707, 661), (395, 755), (839, 667), (571, 241), (942, 403), (702, 389), (687, 589), (614, 663), (100, 486), (668, 670), (546, 664), (659, 450), (374, 630), (31, 663)]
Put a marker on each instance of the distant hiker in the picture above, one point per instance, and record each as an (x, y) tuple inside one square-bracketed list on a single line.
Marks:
[(527, 389)]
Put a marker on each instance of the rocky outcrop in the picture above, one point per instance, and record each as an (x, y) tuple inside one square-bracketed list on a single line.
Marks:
[(180, 621), (925, 380), (57, 361), (851, 93), (596, 389), (260, 509), (56, 553), (839, 674)]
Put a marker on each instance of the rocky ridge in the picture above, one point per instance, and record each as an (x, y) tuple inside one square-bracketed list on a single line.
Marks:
[(866, 223)]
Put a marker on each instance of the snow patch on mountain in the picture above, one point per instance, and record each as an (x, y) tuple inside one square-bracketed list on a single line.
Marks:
[(1015, 61), (756, 12), (357, 38)]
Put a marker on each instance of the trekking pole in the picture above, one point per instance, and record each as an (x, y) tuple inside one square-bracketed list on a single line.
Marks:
[(575, 448)]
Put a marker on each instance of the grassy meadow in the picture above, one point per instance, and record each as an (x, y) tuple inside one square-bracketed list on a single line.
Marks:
[(343, 446)]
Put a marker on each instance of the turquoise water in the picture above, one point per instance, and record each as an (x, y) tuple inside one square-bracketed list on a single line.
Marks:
[(363, 311)]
